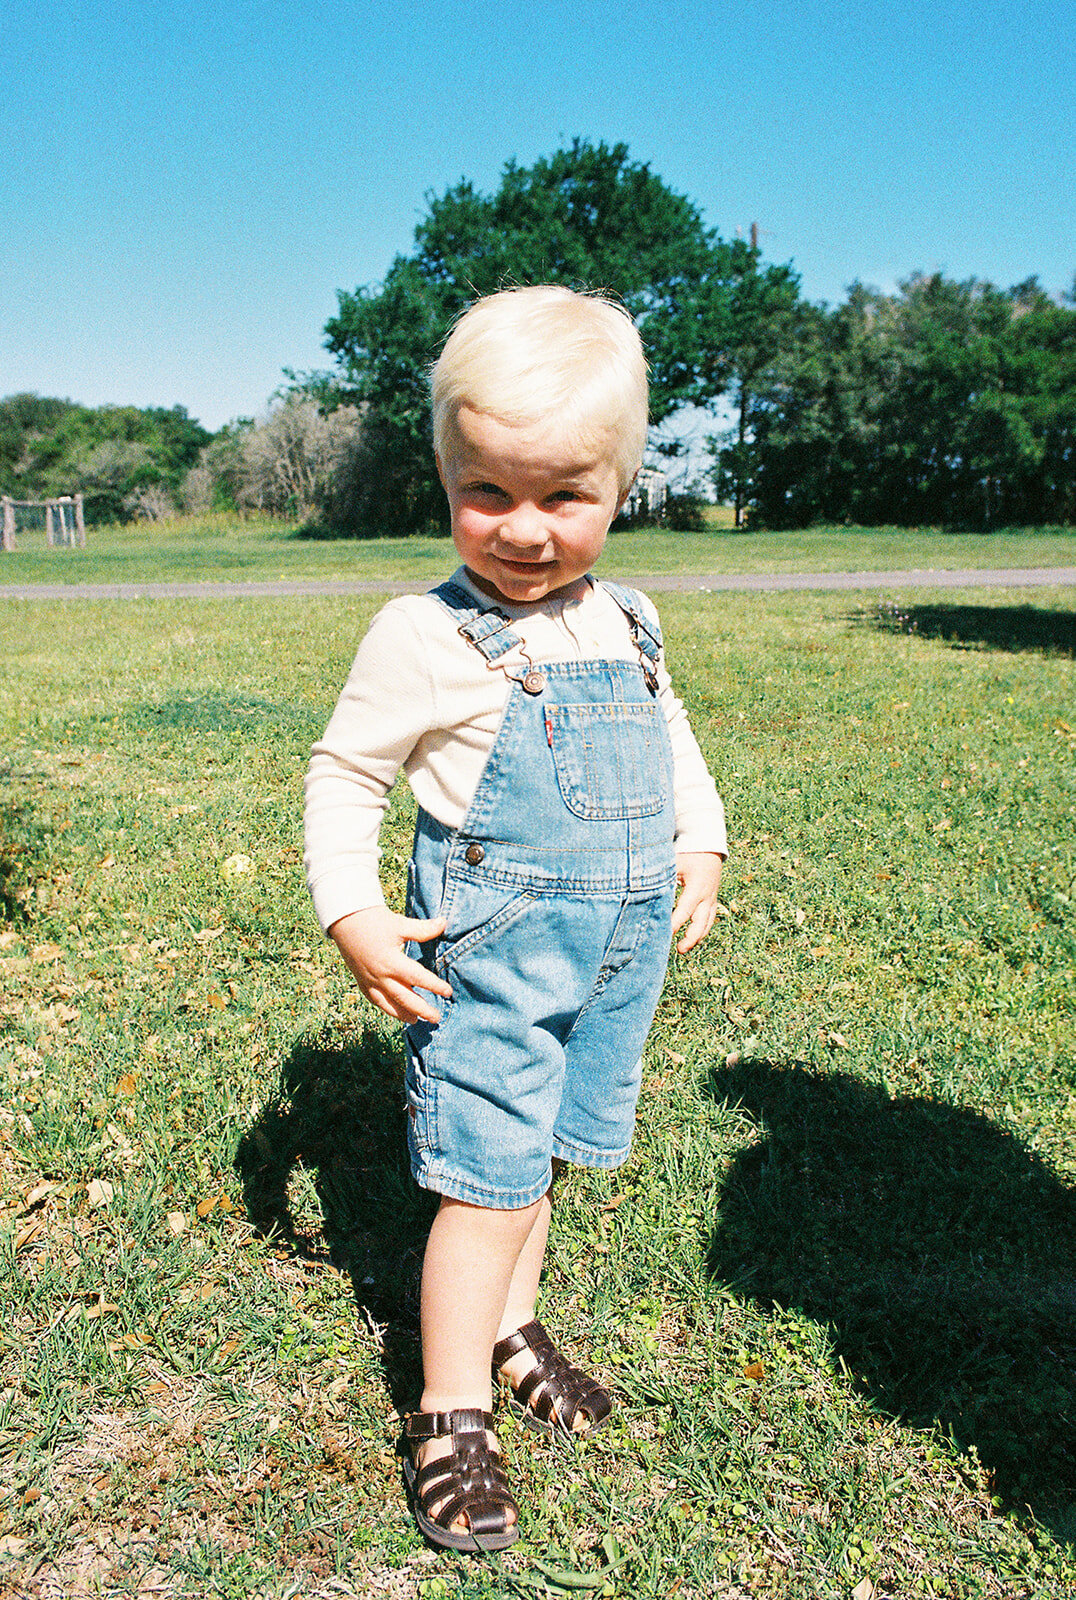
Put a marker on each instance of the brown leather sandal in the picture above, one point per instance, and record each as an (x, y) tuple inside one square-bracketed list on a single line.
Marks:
[(470, 1481), (554, 1393)]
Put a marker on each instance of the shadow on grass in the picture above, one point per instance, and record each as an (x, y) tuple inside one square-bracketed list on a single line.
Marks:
[(215, 713), (940, 1251), (1013, 628), (340, 1115)]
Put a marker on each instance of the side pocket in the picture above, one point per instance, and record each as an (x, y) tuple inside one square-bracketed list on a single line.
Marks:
[(454, 948)]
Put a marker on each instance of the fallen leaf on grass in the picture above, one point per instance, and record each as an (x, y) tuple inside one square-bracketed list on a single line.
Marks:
[(837, 1041), (755, 1371), (99, 1307), (177, 1222), (10, 1546), (127, 1084), (99, 1192), (207, 935), (864, 1590), (27, 1235), (217, 1001), (39, 1192)]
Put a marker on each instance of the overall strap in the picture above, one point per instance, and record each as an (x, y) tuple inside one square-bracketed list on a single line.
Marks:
[(645, 631), (489, 629)]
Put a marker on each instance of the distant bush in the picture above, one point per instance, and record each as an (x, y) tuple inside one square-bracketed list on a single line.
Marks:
[(686, 512), (297, 461)]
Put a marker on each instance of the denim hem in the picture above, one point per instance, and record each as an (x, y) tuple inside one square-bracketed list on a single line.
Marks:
[(455, 1187), (587, 1156)]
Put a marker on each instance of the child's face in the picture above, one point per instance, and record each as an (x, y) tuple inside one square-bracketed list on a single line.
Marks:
[(529, 512)]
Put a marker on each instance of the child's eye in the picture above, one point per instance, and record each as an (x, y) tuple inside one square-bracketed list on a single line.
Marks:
[(565, 495), (487, 491)]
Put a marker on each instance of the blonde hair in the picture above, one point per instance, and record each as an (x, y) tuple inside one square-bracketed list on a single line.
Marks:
[(525, 356)]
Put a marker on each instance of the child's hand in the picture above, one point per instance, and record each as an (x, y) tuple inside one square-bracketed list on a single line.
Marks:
[(699, 877), (371, 942)]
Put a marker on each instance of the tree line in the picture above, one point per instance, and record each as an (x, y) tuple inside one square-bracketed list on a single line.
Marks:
[(126, 461), (943, 403)]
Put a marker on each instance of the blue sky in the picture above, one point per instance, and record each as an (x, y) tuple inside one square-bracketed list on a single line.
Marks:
[(185, 186)]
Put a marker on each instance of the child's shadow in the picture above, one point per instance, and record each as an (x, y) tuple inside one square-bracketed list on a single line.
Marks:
[(338, 1123), (940, 1251)]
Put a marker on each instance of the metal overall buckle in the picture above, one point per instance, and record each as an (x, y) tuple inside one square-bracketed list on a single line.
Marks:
[(532, 680)]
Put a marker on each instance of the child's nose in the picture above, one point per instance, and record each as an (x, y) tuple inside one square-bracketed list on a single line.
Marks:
[(523, 526)]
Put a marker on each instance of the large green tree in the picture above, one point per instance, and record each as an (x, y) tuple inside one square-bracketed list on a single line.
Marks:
[(947, 403), (587, 216)]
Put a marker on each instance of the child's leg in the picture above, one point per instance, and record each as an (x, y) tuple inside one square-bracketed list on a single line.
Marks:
[(471, 1261), (523, 1290), (559, 1392)]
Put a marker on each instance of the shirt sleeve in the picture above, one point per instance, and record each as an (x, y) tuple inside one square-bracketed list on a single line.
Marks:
[(700, 813), (387, 704)]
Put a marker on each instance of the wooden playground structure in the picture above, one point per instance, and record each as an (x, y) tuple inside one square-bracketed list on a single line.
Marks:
[(63, 520)]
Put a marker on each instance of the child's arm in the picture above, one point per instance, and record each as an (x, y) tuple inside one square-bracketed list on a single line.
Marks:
[(699, 875), (372, 944), (701, 843)]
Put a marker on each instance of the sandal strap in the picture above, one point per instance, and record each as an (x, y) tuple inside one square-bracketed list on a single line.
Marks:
[(554, 1389), (423, 1425), (529, 1337), (470, 1481)]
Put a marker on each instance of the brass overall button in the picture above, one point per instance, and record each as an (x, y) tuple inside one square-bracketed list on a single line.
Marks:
[(534, 682), (473, 854)]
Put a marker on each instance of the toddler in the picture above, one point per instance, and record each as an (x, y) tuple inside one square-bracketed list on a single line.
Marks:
[(561, 798)]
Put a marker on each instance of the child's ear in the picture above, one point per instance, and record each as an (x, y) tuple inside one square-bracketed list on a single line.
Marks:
[(625, 494)]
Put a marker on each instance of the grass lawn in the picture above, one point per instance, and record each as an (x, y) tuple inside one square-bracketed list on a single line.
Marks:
[(223, 548), (835, 1283)]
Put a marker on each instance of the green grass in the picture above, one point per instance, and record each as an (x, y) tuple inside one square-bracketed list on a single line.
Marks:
[(834, 1285), (227, 548)]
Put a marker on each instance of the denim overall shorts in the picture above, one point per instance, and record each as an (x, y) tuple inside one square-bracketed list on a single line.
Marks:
[(557, 889)]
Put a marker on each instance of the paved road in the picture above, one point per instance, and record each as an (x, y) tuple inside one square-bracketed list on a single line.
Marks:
[(706, 583)]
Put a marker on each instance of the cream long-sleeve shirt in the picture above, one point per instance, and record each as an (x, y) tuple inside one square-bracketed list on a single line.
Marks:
[(420, 699)]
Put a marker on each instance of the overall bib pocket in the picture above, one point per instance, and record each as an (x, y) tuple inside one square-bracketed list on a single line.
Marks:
[(610, 758)]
